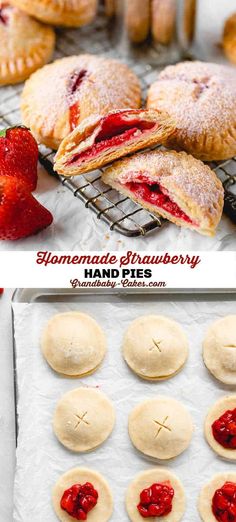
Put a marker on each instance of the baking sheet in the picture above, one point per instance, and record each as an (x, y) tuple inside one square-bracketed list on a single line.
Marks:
[(40, 457)]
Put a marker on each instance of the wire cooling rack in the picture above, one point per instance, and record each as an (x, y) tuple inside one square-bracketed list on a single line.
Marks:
[(119, 212)]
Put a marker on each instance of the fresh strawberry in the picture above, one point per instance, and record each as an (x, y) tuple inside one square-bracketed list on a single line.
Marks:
[(20, 213), (19, 155), (1, 290)]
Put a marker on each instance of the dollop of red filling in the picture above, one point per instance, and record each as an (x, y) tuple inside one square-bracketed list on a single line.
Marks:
[(153, 194), (224, 429), (79, 500), (156, 501), (224, 503), (76, 81), (115, 131)]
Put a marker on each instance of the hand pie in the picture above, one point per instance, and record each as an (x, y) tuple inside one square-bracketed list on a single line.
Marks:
[(161, 428), (26, 45), (173, 185), (73, 344), (99, 140), (84, 418), (217, 500), (229, 38), (71, 13), (137, 19), (201, 97), (219, 349), (155, 347), (155, 493), (71, 496), (163, 20), (59, 96), (220, 427)]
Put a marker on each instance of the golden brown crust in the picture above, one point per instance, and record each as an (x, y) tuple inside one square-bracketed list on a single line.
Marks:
[(26, 45), (137, 19), (110, 7), (71, 13), (229, 38), (163, 20), (83, 137), (193, 186), (201, 97), (46, 98)]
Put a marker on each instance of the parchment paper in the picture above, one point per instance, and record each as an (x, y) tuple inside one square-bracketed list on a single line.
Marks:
[(40, 457)]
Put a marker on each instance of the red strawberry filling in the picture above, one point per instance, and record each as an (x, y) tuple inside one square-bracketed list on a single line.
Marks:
[(4, 13), (153, 193), (224, 503), (224, 429), (76, 81), (79, 500), (156, 501), (116, 129)]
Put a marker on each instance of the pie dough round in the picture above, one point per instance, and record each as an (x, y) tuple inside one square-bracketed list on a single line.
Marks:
[(218, 409), (145, 480), (229, 38), (26, 45), (71, 13), (160, 428), (104, 508), (201, 97), (207, 493), (73, 344), (59, 96), (155, 347), (219, 349), (84, 418)]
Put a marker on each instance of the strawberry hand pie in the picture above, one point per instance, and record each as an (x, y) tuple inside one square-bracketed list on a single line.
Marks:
[(99, 140), (71, 13), (26, 44), (61, 95), (173, 185)]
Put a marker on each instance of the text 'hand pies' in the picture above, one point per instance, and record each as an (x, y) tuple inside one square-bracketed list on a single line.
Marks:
[(59, 96), (26, 45), (71, 13), (174, 185), (201, 97), (99, 140)]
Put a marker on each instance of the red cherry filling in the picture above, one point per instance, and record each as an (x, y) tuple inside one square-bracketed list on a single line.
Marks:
[(153, 193), (79, 500), (156, 501), (4, 14), (76, 80), (115, 130), (224, 503), (224, 429)]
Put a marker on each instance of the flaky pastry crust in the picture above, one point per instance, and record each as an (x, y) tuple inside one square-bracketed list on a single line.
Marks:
[(26, 45), (201, 97), (85, 135), (193, 186), (50, 93), (71, 13)]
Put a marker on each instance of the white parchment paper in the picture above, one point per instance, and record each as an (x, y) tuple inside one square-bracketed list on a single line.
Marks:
[(40, 457)]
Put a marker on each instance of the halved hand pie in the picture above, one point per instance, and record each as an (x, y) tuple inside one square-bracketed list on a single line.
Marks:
[(98, 140), (174, 185)]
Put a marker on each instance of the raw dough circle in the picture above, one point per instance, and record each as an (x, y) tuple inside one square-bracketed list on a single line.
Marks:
[(207, 493), (84, 418), (104, 508), (145, 480), (155, 347), (218, 409), (161, 428), (73, 344), (219, 349)]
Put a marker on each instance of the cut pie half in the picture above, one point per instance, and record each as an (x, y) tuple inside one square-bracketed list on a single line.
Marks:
[(173, 185), (99, 140)]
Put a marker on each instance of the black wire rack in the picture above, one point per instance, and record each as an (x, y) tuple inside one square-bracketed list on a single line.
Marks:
[(119, 212)]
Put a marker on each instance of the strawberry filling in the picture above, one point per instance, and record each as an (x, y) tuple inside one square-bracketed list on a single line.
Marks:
[(4, 14), (153, 193), (75, 83), (79, 500), (224, 429), (156, 501), (115, 131), (224, 503)]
